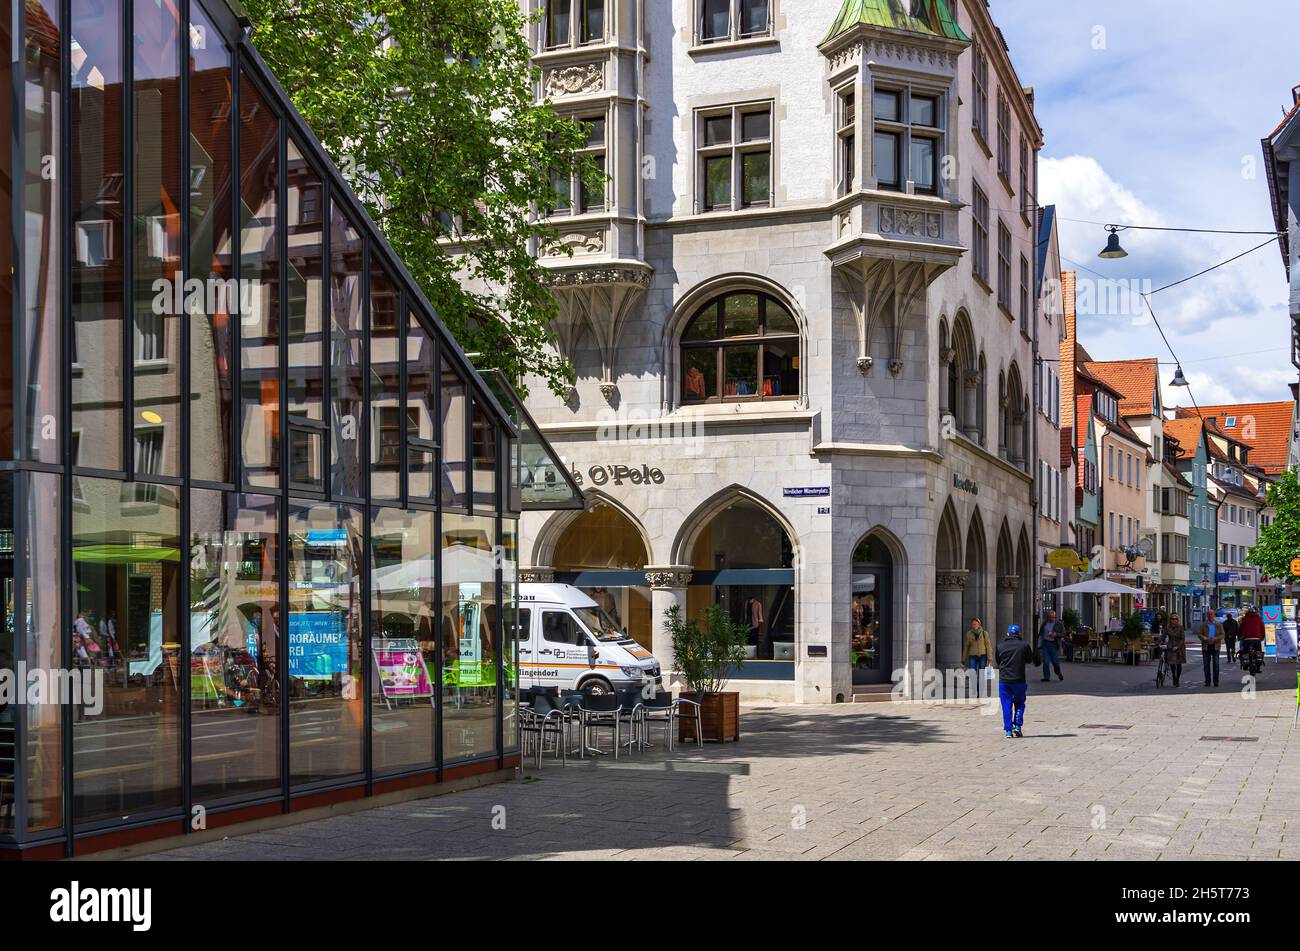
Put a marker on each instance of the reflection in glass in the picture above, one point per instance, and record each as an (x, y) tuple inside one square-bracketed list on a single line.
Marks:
[(259, 274), (469, 636), (455, 430), (324, 675), (234, 639), (126, 625), (98, 233), (403, 639), (346, 340), (156, 235), (211, 235), (421, 410), (510, 632), (485, 461), (387, 431), (39, 387), (304, 324)]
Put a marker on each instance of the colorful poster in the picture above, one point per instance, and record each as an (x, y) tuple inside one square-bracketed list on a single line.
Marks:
[(402, 671), (318, 645)]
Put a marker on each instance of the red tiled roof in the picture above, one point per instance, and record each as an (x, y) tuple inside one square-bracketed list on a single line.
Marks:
[(1135, 380), (1187, 431), (1264, 427), (1067, 447), (1083, 414)]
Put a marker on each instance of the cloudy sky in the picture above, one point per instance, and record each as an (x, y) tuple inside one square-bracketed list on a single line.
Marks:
[(1153, 111)]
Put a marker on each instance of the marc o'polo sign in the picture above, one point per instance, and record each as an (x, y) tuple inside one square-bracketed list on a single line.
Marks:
[(969, 486), (620, 475)]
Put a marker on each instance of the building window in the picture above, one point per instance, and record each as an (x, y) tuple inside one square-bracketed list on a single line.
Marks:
[(1004, 138), (907, 141), (1004, 267), (1025, 203), (569, 185), (574, 22), (980, 84), (723, 20), (734, 158), (980, 248), (1024, 295), (743, 346), (847, 134)]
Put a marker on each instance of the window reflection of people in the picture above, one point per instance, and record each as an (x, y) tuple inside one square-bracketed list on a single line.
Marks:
[(866, 626)]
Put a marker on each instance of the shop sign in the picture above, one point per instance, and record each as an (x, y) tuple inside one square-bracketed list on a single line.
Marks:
[(969, 486), (318, 645), (1066, 558), (620, 475), (1295, 568)]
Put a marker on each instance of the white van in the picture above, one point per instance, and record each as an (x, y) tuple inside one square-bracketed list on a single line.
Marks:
[(567, 641)]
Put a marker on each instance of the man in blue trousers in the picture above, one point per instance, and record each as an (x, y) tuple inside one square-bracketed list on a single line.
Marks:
[(1014, 655)]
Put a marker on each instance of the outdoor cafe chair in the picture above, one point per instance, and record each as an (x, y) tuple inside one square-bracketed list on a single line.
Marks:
[(631, 709), (602, 712), (1082, 646), (659, 710), (689, 710), (541, 720)]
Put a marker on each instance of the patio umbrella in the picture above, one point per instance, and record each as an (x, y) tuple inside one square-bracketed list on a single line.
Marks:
[(1097, 586)]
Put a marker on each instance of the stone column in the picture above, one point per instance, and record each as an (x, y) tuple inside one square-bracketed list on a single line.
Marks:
[(1008, 585), (951, 586), (970, 405), (668, 586)]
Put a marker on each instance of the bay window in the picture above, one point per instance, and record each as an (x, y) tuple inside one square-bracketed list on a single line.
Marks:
[(907, 140), (574, 22)]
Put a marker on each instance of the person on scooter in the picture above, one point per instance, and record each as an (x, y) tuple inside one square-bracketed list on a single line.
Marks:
[(1252, 634)]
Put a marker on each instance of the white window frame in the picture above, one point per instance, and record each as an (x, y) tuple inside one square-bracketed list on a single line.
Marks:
[(735, 149), (102, 226), (734, 32)]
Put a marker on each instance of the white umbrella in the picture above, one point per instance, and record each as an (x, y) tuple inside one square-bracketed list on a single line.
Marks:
[(1097, 586)]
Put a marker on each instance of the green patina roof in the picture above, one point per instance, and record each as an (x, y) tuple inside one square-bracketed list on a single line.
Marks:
[(930, 17)]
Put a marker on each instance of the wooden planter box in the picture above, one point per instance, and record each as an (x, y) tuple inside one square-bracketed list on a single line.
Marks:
[(720, 717)]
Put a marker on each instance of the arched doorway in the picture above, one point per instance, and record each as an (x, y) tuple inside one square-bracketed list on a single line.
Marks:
[(872, 612), (743, 561), (604, 553), (973, 598), (950, 589), (1008, 582)]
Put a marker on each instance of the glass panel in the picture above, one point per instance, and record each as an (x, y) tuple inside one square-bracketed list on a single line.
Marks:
[(36, 110), (40, 537), (485, 461), (593, 198), (304, 322), (923, 161), (705, 325), (562, 185), (756, 126), (126, 594), (740, 313), (347, 384), (455, 427), (593, 24), (756, 178), (211, 249), (717, 130), (41, 354), (260, 293), (97, 233), (234, 645), (779, 320), (8, 649), (717, 182), (925, 111), (559, 13), (325, 702), (387, 431), (510, 632), (156, 237), (886, 158), (715, 20), (403, 594), (422, 474), (306, 452), (421, 381), (781, 369), (469, 631), (886, 105), (701, 376), (741, 371), (753, 16), (595, 127)]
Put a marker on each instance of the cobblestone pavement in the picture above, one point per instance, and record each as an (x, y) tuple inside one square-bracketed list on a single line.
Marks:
[(1111, 769)]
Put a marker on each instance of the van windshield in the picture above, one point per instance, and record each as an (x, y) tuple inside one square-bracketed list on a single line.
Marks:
[(599, 623)]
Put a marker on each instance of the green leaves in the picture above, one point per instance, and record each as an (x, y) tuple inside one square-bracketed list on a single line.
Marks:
[(428, 108), (706, 655), (1279, 542)]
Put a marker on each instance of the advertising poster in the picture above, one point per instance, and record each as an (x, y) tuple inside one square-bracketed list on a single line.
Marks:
[(1286, 635), (402, 671), (318, 645)]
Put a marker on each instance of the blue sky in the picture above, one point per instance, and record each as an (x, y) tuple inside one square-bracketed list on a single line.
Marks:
[(1153, 111)]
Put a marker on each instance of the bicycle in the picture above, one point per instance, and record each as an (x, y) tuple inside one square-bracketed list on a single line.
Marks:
[(1162, 669)]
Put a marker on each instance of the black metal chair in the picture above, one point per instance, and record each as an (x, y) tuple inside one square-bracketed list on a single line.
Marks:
[(540, 720), (659, 709), (602, 712), (689, 711), (630, 709)]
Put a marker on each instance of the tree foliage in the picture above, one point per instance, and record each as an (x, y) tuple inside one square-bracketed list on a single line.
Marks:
[(428, 108), (1279, 542)]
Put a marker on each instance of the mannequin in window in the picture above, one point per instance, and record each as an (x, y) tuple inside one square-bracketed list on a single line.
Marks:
[(695, 384)]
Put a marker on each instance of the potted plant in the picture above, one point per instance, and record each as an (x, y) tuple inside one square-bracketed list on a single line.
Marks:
[(1132, 631), (707, 655)]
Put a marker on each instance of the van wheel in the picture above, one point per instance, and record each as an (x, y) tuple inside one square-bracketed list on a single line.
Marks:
[(597, 687)]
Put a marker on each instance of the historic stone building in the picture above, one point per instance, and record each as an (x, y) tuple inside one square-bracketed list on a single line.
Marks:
[(802, 320)]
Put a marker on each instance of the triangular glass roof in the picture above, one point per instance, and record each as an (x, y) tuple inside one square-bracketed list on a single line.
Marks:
[(928, 17)]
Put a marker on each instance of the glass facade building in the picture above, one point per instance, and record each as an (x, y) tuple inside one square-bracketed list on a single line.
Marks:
[(253, 498)]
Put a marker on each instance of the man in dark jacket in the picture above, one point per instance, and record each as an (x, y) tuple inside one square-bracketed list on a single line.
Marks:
[(1014, 655), (1231, 631)]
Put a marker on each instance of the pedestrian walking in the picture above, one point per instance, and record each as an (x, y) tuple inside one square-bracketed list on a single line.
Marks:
[(1231, 631), (1210, 634), (975, 653), (1014, 655), (1049, 641), (1175, 647)]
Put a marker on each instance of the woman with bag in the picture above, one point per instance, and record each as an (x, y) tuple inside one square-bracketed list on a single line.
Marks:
[(1175, 647)]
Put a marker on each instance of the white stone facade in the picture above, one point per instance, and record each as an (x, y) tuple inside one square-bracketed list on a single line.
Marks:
[(882, 286)]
